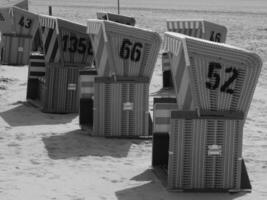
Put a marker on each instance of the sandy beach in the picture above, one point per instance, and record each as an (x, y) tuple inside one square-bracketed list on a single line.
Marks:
[(47, 156)]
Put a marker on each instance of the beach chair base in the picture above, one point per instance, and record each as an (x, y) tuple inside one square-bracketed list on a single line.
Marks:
[(161, 171), (89, 130)]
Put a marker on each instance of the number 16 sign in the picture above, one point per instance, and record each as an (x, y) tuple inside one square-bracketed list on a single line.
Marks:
[(123, 50), (219, 77)]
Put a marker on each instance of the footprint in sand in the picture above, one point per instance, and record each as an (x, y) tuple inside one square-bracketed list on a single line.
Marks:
[(2, 87), (19, 138), (34, 162), (118, 181), (13, 144), (105, 178), (128, 163), (7, 128)]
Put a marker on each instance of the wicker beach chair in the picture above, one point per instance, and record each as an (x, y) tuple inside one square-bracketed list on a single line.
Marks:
[(66, 49), (214, 85), (125, 58)]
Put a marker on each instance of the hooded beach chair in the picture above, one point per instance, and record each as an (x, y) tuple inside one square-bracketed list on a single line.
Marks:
[(66, 48), (214, 85), (125, 58)]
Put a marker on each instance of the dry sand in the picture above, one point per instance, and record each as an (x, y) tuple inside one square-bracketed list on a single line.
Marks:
[(47, 157)]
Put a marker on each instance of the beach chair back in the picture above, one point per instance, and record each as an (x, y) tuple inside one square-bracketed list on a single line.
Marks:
[(195, 28), (65, 42), (212, 76), (123, 50), (199, 28), (116, 18), (17, 27), (49, 33)]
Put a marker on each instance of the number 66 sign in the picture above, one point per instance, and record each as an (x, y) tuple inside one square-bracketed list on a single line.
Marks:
[(123, 50), (218, 77)]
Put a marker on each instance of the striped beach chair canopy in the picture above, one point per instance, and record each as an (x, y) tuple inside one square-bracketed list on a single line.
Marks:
[(17, 27), (116, 18), (198, 28), (65, 41), (123, 50), (18, 3), (212, 76), (14, 20)]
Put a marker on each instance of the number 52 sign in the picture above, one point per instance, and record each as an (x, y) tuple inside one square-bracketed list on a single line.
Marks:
[(214, 79)]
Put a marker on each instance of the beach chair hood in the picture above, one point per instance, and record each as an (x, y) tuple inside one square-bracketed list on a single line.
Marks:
[(123, 50), (220, 77)]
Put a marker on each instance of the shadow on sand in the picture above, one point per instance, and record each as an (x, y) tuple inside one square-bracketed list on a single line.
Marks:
[(24, 114), (77, 144), (154, 190)]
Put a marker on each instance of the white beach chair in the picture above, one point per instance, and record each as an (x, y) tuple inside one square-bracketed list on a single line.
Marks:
[(67, 49), (214, 85), (125, 58)]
